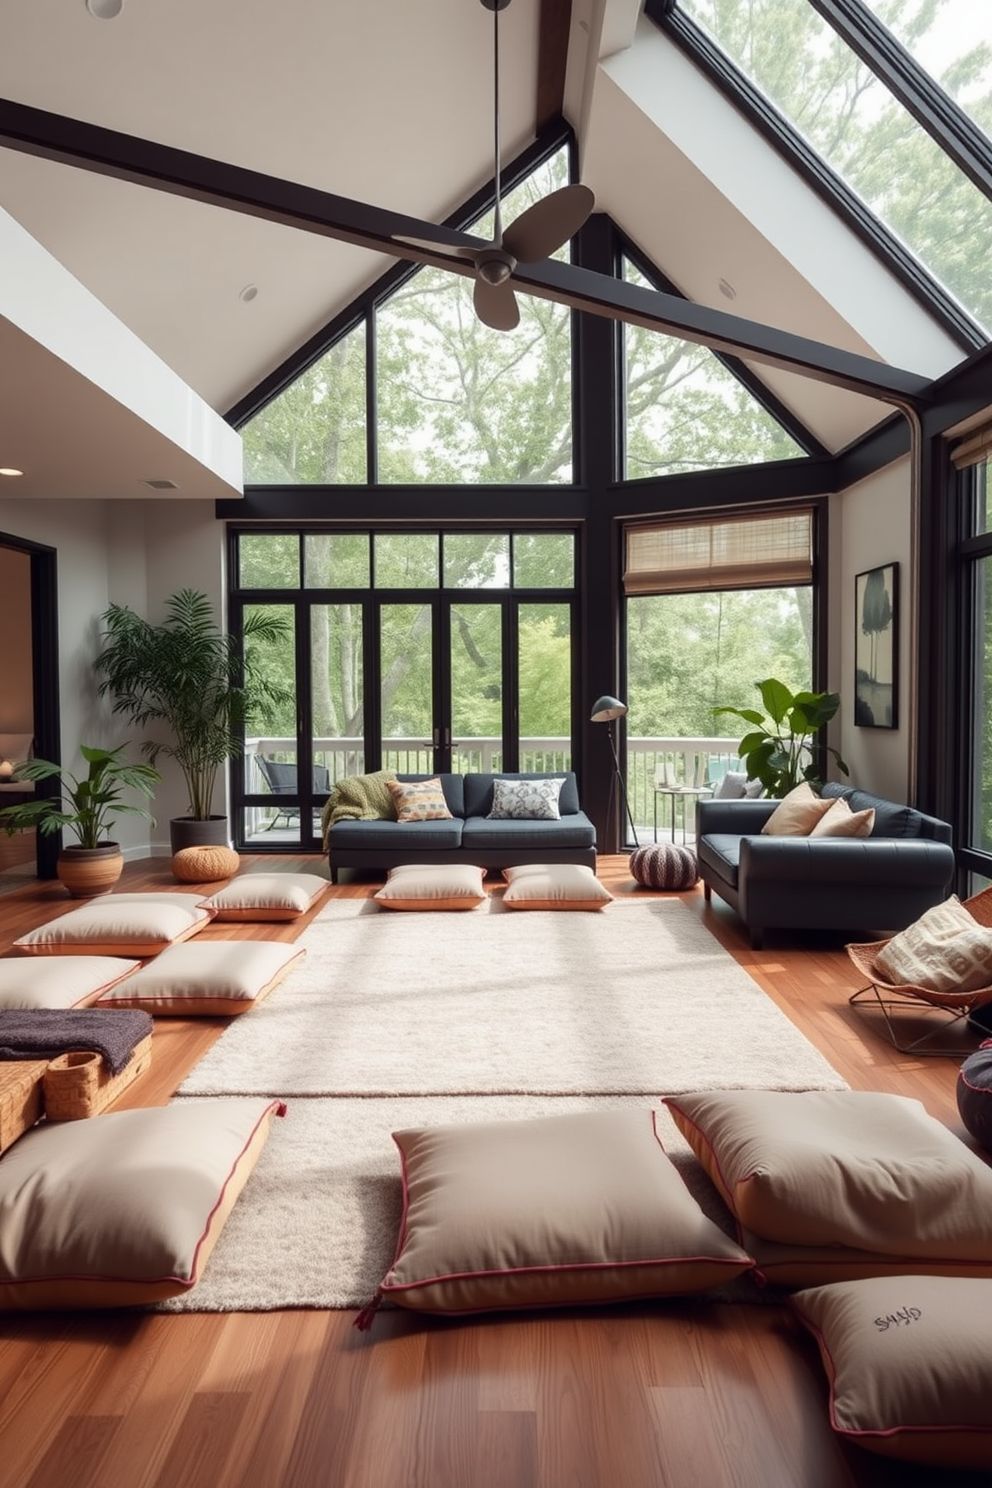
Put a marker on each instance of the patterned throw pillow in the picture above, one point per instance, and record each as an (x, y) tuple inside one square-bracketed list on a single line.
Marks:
[(946, 950), (526, 800), (419, 800)]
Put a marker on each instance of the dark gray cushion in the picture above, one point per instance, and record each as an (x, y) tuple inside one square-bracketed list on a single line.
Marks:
[(571, 831), (392, 835), (721, 853), (479, 789)]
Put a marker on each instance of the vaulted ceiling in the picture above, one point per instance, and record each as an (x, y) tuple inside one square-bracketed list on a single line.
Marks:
[(388, 102)]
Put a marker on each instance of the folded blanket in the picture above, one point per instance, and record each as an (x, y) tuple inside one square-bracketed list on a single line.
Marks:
[(44, 1033), (359, 798)]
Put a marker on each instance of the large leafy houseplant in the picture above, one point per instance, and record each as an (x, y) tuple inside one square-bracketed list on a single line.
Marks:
[(87, 806), (780, 749), (187, 674)]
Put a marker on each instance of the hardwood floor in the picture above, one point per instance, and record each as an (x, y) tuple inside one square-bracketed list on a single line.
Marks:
[(674, 1395)]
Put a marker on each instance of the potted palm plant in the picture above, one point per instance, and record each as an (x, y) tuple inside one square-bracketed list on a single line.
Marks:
[(187, 674), (88, 807), (780, 748)]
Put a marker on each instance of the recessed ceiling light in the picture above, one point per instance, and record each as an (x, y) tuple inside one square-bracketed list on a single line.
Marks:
[(9, 470), (105, 10), (248, 293)]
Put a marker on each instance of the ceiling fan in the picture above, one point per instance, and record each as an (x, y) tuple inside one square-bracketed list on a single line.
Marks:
[(535, 234)]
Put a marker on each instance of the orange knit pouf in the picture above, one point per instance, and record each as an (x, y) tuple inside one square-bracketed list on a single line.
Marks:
[(205, 864)]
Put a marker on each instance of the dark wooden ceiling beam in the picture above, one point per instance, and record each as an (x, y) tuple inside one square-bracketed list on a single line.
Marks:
[(125, 157), (554, 25)]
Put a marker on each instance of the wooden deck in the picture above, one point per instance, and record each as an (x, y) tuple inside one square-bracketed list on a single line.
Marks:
[(669, 1395)]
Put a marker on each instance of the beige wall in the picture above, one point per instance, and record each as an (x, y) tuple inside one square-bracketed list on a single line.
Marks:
[(16, 689)]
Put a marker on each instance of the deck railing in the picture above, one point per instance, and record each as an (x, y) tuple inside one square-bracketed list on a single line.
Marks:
[(650, 761)]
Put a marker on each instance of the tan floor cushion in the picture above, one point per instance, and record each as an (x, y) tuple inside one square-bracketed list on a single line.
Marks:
[(60, 982), (554, 886), (218, 978), (123, 1208), (426, 886), (119, 925), (267, 896)]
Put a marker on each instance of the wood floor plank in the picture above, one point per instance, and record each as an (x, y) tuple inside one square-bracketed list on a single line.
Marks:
[(680, 1394)]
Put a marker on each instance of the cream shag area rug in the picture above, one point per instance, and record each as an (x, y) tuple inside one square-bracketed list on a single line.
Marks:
[(406, 1020), (637, 1000)]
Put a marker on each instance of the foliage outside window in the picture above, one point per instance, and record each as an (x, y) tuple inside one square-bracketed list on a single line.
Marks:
[(685, 411), (956, 50), (842, 108)]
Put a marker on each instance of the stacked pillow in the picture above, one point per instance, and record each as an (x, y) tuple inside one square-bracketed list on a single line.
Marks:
[(802, 813)]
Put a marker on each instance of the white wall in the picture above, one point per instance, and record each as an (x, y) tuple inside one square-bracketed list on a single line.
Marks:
[(870, 526), (16, 692), (134, 553)]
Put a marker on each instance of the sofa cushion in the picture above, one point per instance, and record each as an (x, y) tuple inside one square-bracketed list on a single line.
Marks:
[(418, 800), (479, 790), (891, 818), (844, 1168), (797, 813), (526, 800), (721, 852), (397, 837), (575, 830), (909, 1360), (582, 1208), (427, 886), (840, 821), (124, 1208)]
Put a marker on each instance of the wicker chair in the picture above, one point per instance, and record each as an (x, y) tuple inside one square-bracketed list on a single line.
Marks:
[(958, 1006)]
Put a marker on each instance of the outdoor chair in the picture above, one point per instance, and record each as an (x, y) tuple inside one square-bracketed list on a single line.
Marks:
[(282, 779), (957, 1006)]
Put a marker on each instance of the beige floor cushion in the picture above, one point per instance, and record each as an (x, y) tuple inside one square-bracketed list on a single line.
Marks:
[(62, 982), (819, 1171), (123, 1208), (554, 886), (119, 925), (267, 896), (909, 1361), (582, 1208), (420, 886), (212, 979)]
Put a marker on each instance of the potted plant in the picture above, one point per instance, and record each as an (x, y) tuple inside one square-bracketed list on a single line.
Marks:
[(779, 751), (88, 807), (188, 675)]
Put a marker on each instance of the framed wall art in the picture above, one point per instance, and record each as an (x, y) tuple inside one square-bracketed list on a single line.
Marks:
[(876, 647)]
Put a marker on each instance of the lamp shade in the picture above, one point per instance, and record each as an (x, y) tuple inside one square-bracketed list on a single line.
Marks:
[(605, 709)]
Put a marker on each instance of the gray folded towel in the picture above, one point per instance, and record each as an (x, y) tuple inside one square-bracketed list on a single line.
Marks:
[(44, 1033)]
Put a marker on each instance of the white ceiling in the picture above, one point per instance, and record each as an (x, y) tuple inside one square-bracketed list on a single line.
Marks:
[(385, 101)]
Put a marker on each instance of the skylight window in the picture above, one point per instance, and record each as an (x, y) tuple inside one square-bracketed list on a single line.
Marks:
[(864, 134), (955, 49)]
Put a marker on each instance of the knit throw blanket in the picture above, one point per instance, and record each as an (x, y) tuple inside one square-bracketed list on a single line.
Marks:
[(45, 1033), (359, 798)]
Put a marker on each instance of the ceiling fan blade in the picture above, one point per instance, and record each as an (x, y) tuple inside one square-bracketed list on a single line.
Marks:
[(496, 305), (544, 227), (434, 245)]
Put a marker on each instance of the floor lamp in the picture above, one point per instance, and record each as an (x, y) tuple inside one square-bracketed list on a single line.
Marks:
[(607, 710)]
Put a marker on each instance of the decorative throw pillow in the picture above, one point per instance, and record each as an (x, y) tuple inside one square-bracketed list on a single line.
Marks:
[(267, 896), (119, 925), (419, 886), (946, 950), (419, 800), (840, 821), (217, 978), (583, 1208), (68, 982), (844, 1168), (554, 886), (731, 787), (797, 813), (526, 800), (124, 1208), (909, 1361)]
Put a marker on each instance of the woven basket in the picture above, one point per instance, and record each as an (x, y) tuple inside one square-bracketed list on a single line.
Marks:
[(80, 1084), (21, 1101)]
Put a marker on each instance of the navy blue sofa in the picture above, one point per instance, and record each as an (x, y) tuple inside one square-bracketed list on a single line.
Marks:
[(470, 836)]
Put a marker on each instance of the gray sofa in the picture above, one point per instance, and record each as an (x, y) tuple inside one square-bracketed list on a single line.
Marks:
[(859, 884), (470, 836)]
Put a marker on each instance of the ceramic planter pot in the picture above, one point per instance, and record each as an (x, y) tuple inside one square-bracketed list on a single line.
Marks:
[(88, 871)]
